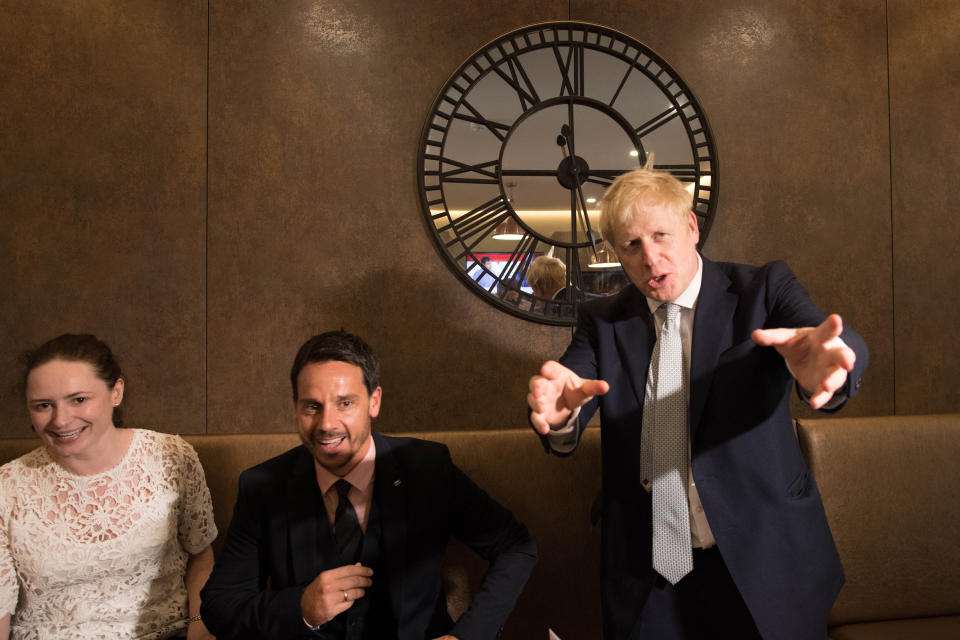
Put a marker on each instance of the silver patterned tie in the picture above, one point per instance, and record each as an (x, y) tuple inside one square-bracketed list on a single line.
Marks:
[(665, 450)]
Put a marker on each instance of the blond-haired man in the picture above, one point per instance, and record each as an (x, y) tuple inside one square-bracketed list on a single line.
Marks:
[(547, 277), (712, 525)]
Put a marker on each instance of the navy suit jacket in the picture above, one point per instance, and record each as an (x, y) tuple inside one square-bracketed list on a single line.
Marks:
[(760, 500), (271, 550)]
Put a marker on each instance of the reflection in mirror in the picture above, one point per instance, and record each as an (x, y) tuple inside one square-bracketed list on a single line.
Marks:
[(523, 141)]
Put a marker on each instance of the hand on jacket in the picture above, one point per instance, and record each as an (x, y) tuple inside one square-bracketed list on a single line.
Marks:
[(333, 591)]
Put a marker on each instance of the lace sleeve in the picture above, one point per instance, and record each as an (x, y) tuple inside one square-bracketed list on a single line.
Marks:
[(9, 585), (196, 528)]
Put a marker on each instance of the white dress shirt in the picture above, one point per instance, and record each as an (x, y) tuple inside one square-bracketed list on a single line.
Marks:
[(565, 440)]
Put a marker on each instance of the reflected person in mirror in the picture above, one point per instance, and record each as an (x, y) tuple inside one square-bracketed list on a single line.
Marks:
[(712, 524), (547, 277), (485, 276), (344, 536)]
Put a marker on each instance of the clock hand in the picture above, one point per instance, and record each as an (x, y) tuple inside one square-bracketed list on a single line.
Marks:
[(565, 139)]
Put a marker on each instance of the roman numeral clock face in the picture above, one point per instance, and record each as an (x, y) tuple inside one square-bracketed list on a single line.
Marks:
[(521, 144)]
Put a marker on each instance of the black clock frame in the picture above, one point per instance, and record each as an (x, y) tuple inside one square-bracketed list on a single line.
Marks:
[(474, 226)]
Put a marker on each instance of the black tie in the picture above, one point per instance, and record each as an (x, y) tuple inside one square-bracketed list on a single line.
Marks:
[(346, 528)]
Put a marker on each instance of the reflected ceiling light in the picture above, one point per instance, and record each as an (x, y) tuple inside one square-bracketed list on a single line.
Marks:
[(604, 259), (508, 230), (591, 200), (634, 153)]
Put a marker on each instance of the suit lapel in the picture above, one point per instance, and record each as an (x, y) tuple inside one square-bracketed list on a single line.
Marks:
[(390, 492), (635, 336), (715, 307), (304, 527)]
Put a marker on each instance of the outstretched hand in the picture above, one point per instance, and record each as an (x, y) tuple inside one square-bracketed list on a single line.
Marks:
[(816, 356), (556, 392)]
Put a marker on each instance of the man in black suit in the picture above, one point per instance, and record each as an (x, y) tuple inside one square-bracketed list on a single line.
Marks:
[(712, 525), (344, 536)]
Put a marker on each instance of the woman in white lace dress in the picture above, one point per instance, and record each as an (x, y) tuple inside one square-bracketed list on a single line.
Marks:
[(104, 532)]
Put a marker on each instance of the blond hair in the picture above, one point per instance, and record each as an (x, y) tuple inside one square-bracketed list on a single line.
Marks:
[(547, 275), (636, 190)]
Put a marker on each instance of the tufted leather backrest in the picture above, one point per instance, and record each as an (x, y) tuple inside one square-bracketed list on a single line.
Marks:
[(891, 488), (551, 495)]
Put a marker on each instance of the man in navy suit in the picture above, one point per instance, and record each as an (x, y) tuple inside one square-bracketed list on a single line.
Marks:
[(344, 536), (763, 560)]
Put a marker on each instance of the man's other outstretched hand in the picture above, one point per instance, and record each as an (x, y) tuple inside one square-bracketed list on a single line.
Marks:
[(816, 356)]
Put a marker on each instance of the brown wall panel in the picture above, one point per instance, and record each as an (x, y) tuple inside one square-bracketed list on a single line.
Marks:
[(102, 195), (925, 134), (796, 96), (315, 221)]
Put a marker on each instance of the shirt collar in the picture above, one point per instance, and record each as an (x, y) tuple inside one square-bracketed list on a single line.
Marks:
[(687, 299), (359, 477)]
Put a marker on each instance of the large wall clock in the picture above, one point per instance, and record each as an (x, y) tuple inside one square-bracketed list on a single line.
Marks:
[(524, 138)]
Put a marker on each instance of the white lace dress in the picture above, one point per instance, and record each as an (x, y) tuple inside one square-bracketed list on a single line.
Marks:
[(102, 556)]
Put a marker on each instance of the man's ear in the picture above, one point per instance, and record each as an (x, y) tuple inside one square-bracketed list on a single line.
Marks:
[(693, 225), (375, 402)]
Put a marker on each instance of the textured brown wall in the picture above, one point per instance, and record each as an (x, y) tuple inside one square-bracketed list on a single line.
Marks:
[(102, 191), (206, 199), (925, 161), (316, 111)]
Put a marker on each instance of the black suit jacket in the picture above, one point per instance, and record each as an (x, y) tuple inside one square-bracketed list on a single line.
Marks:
[(760, 500), (270, 553)]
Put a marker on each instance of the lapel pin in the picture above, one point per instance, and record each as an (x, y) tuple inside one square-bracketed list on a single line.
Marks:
[(396, 482)]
